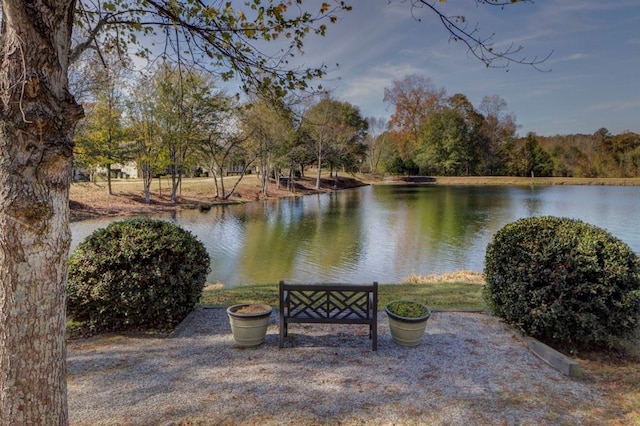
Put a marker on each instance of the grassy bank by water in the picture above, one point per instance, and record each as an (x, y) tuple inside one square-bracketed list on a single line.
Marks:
[(439, 295)]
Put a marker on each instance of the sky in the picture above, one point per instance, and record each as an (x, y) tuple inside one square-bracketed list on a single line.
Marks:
[(592, 79)]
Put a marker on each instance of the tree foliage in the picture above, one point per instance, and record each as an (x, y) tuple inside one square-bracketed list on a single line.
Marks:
[(187, 107), (453, 137), (447, 145), (597, 155), (100, 138), (336, 130), (529, 159), (413, 98), (498, 129), (447, 135), (214, 35), (144, 132), (271, 135), (377, 143)]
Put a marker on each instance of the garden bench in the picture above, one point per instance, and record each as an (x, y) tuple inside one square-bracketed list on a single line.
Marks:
[(329, 304)]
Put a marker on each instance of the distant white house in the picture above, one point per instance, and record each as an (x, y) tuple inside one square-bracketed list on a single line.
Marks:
[(128, 170)]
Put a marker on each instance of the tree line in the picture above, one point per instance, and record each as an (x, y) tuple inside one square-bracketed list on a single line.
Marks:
[(175, 121), (430, 133)]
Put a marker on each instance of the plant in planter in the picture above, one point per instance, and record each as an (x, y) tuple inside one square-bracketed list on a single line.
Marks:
[(407, 321), (249, 322)]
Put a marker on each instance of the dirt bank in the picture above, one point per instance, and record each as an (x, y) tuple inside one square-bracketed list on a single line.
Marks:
[(88, 200)]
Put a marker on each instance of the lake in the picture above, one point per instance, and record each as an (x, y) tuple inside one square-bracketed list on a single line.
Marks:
[(384, 233)]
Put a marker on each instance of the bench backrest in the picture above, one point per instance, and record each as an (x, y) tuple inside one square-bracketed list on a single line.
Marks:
[(329, 301)]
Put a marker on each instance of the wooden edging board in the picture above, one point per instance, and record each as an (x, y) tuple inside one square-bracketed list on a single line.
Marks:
[(555, 359), (559, 361)]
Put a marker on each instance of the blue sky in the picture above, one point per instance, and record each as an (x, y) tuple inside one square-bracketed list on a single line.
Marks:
[(594, 80)]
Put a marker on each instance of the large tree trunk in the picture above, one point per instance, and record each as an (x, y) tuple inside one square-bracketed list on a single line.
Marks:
[(36, 126)]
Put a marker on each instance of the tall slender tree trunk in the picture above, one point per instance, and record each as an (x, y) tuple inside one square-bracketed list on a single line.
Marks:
[(237, 182), (109, 188), (318, 177), (174, 177), (216, 187), (264, 173), (290, 185), (224, 194), (36, 126), (147, 177)]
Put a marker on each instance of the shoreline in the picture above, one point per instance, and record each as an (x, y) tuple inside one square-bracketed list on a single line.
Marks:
[(88, 200), (536, 181)]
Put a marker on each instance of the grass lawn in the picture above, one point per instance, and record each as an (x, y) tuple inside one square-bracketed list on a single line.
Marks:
[(441, 295)]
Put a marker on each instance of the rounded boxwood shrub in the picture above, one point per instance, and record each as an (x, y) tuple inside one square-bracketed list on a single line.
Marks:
[(136, 274), (563, 281)]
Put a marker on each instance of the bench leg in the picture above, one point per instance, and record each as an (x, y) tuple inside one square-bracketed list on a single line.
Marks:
[(374, 344), (373, 335), (283, 332), (281, 342)]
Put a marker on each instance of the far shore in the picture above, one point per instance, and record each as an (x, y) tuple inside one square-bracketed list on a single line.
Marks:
[(91, 200), (514, 180)]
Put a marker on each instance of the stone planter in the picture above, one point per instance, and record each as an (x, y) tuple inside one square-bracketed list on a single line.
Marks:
[(249, 323), (407, 322)]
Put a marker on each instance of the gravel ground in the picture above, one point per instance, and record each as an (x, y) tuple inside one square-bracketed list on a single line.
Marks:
[(471, 369)]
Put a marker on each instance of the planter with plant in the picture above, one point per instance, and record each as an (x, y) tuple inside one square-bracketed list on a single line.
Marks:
[(249, 322), (407, 321)]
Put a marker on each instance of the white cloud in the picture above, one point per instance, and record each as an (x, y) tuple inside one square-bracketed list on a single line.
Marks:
[(577, 56), (616, 105), (571, 57)]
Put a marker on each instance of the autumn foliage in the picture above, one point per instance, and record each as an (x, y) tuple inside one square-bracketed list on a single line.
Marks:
[(430, 133)]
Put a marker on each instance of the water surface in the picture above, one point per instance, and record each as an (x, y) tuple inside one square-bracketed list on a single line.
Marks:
[(384, 233)]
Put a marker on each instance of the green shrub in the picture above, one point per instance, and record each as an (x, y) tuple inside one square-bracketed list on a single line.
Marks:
[(136, 274), (563, 281)]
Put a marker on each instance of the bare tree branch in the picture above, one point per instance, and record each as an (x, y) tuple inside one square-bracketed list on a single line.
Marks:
[(214, 35), (482, 48)]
